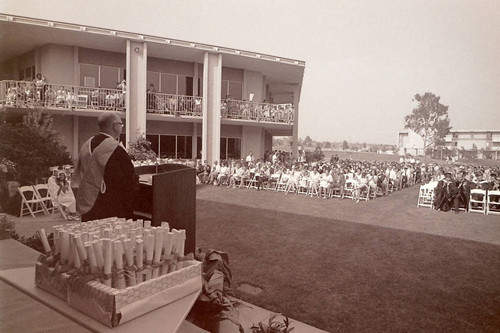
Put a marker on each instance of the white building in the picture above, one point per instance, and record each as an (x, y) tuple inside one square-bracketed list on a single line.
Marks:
[(209, 101)]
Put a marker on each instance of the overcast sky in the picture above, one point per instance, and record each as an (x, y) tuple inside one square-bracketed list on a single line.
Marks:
[(365, 60)]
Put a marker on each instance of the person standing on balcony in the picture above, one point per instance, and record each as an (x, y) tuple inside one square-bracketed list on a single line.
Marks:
[(150, 97), (40, 84), (104, 174)]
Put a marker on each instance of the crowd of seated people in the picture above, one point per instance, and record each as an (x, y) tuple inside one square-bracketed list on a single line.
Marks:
[(453, 184), (233, 109), (357, 180)]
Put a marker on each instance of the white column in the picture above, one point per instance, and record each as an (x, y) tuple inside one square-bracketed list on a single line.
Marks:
[(212, 78), (194, 141), (76, 132), (135, 96), (295, 129)]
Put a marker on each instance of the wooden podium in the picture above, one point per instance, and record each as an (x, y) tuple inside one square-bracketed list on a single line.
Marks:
[(168, 193)]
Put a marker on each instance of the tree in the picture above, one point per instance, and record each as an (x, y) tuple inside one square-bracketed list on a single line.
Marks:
[(327, 145), (345, 145), (308, 141), (429, 119), (33, 146)]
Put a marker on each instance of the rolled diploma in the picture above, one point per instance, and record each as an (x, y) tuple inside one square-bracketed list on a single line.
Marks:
[(91, 257), (165, 225), (168, 241), (129, 256), (149, 247), (118, 257), (108, 260), (139, 249), (157, 248), (147, 224), (181, 242), (71, 250), (82, 254), (45, 242), (64, 246), (57, 241), (98, 254)]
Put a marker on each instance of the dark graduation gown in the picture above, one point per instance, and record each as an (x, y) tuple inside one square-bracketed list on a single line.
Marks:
[(122, 186)]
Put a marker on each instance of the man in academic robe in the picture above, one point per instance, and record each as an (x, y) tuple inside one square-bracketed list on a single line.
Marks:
[(462, 194), (104, 174), (445, 192)]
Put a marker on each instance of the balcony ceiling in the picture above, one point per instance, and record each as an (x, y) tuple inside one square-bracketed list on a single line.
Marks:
[(18, 38)]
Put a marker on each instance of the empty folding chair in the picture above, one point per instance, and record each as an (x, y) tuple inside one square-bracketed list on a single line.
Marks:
[(493, 202), (477, 201), (425, 196), (30, 202)]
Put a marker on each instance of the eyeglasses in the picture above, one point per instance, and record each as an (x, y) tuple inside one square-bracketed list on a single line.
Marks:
[(121, 124)]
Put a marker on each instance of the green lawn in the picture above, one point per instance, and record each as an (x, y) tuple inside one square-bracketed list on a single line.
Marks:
[(351, 277)]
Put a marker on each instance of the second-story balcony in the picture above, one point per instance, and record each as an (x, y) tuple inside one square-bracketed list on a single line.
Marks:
[(26, 94), (260, 112)]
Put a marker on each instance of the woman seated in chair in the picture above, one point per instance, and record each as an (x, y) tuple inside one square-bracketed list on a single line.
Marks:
[(293, 180), (62, 194), (314, 178), (61, 96), (325, 184), (361, 185)]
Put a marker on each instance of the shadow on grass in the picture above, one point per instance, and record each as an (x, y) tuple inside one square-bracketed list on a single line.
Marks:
[(344, 276)]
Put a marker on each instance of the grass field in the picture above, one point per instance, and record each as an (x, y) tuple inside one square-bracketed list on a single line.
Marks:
[(323, 263)]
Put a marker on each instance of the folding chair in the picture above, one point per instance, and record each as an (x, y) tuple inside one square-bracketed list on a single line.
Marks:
[(349, 189), (252, 183), (30, 202), (374, 193), (336, 192), (313, 190), (50, 202), (303, 187), (425, 196), (364, 194), (477, 201), (273, 182), (281, 185), (493, 202)]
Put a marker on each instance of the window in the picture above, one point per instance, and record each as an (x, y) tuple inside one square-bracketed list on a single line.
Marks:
[(184, 146), (198, 147), (231, 89), (234, 148), (167, 146), (230, 148), (155, 142)]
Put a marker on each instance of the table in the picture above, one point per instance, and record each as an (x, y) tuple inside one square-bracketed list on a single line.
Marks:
[(26, 308)]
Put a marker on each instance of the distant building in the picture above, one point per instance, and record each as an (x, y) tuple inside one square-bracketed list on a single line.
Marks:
[(411, 143), (470, 139), (489, 140)]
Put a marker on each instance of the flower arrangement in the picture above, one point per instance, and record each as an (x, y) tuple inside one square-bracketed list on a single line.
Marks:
[(141, 150)]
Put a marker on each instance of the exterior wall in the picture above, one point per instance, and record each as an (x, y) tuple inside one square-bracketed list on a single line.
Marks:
[(170, 66), (57, 64), (231, 131), (64, 125), (232, 74), (253, 84), (103, 58), (170, 128), (252, 141)]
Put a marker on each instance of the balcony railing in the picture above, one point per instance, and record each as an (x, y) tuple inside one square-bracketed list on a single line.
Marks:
[(261, 112), (177, 105), (27, 94)]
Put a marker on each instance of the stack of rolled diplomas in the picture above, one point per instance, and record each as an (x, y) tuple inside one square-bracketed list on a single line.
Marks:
[(119, 252)]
